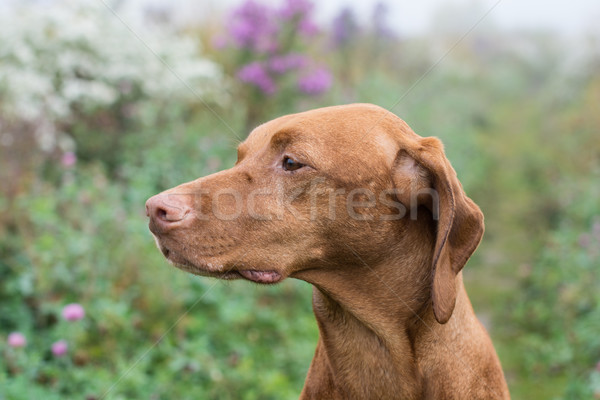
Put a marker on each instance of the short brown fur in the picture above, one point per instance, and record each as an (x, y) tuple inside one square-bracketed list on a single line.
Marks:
[(394, 318)]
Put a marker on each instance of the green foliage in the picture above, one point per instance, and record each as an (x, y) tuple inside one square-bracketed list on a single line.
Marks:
[(70, 248), (556, 312)]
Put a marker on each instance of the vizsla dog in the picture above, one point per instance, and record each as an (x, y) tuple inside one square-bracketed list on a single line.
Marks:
[(351, 200)]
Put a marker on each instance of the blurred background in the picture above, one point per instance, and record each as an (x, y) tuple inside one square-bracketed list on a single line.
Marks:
[(105, 103)]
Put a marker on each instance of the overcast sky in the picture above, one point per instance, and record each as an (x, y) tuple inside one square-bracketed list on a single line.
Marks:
[(568, 16), (415, 16)]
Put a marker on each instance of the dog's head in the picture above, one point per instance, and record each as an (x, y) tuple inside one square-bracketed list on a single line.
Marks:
[(332, 189)]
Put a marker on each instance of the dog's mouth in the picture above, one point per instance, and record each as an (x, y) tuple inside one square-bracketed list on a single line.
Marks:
[(220, 271), (261, 276)]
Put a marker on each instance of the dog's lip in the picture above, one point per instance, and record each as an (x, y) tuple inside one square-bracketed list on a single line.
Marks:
[(261, 276), (265, 277), (226, 275), (208, 269)]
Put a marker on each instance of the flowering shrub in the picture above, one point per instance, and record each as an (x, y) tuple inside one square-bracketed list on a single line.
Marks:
[(269, 47), (22, 360), (74, 59)]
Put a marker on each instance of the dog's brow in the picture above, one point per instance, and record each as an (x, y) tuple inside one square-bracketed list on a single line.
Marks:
[(282, 138)]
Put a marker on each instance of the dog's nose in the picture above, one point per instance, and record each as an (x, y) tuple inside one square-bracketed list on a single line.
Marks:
[(165, 210)]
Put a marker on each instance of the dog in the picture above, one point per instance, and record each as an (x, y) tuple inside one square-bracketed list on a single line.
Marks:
[(351, 200)]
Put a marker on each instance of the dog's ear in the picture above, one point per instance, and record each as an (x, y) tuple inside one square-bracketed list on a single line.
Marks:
[(423, 176)]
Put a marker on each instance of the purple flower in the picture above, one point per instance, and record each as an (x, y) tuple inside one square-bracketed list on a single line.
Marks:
[(296, 8), (256, 74), (251, 26), (285, 63), (68, 159), (380, 27), (16, 339), (60, 348), (73, 312), (345, 27), (308, 28), (300, 13), (316, 82)]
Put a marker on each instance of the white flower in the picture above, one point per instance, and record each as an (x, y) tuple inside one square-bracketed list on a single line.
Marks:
[(79, 52)]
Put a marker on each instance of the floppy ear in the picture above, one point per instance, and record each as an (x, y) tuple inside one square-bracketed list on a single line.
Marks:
[(417, 170)]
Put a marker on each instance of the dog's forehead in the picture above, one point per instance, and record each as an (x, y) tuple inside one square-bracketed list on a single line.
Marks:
[(339, 132)]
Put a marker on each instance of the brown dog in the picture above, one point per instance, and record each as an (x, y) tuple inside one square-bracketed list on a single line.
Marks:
[(351, 200)]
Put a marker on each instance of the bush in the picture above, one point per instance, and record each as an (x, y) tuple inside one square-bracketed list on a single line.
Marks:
[(81, 77), (143, 320), (267, 49), (556, 312)]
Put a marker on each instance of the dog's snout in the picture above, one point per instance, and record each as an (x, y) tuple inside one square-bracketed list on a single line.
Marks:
[(166, 210)]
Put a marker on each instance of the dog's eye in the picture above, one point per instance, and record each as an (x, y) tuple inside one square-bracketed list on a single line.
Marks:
[(289, 164)]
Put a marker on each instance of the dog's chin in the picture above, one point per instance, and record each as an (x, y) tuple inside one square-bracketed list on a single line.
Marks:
[(195, 270), (219, 270)]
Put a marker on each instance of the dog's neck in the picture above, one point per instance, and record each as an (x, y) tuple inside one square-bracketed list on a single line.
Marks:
[(365, 356), (376, 324), (371, 330), (367, 328), (373, 346)]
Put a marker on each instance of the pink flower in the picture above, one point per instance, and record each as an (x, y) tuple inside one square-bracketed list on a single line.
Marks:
[(73, 312), (16, 339), (68, 159), (60, 348)]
